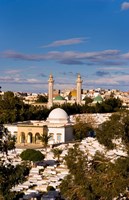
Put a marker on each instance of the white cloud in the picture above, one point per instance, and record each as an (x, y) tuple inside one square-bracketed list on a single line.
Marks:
[(126, 55), (66, 55), (125, 5), (113, 81), (18, 80), (109, 57), (64, 82), (12, 72), (70, 41), (104, 81), (113, 68)]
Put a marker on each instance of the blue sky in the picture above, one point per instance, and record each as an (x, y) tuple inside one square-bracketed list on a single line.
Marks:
[(64, 37)]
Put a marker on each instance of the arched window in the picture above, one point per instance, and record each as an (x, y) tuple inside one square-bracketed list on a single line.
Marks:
[(51, 136), (59, 137)]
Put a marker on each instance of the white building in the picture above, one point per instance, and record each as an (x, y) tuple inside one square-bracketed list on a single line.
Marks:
[(60, 128), (57, 125)]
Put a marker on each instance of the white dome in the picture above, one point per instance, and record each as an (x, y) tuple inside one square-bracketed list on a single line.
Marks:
[(58, 115)]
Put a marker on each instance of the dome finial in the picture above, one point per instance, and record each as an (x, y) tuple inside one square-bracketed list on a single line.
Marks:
[(51, 78), (79, 76)]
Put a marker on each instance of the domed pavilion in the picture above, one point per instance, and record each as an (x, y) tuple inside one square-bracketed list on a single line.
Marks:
[(59, 126), (97, 99), (59, 100)]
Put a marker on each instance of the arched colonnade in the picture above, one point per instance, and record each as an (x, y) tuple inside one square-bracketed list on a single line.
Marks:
[(29, 138)]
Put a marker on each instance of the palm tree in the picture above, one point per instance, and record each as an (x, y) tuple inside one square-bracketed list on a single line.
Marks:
[(45, 138), (57, 152)]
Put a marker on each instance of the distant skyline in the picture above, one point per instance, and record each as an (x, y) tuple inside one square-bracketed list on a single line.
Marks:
[(64, 38)]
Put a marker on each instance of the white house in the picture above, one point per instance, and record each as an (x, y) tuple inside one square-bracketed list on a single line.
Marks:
[(60, 128), (57, 125)]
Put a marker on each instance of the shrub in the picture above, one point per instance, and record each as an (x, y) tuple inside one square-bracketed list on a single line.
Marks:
[(32, 155), (50, 188)]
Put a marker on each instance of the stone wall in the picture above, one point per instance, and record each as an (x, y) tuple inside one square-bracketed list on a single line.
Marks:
[(95, 119)]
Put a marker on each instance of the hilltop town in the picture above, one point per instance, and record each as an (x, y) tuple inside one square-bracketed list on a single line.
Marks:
[(64, 100), (61, 132), (70, 95)]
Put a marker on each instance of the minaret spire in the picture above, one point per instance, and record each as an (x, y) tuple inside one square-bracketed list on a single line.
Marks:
[(50, 91), (79, 88)]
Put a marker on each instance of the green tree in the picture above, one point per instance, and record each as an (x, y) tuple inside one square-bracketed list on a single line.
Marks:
[(10, 175), (42, 99), (114, 128), (11, 142), (115, 103), (50, 188), (57, 152), (110, 105), (74, 185), (81, 129), (7, 142), (32, 155), (45, 138), (88, 100), (96, 179), (71, 109), (12, 109)]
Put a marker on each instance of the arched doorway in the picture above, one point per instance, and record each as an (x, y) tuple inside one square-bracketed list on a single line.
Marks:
[(37, 138), (29, 137), (22, 137)]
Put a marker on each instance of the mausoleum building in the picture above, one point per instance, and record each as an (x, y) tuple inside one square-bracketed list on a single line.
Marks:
[(58, 126)]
